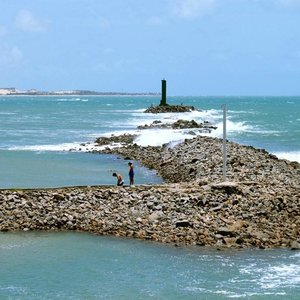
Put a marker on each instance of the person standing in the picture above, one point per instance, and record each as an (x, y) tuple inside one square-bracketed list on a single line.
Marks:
[(131, 174)]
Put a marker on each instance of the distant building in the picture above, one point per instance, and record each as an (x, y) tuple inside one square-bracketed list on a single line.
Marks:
[(63, 92), (7, 91)]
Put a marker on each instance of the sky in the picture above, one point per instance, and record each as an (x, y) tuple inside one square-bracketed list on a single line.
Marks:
[(201, 47)]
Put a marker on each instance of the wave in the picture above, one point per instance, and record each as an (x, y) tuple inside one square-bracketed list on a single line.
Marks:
[(50, 147), (148, 137), (281, 275), (291, 155), (145, 137), (232, 128), (71, 100), (158, 137), (140, 118), (7, 113)]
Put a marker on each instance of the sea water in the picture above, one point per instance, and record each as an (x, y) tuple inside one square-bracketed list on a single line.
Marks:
[(36, 136), (38, 132), (65, 265)]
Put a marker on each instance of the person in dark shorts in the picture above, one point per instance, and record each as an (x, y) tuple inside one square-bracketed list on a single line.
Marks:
[(131, 174), (120, 181)]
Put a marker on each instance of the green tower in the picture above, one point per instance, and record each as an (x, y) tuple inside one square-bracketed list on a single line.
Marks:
[(163, 100)]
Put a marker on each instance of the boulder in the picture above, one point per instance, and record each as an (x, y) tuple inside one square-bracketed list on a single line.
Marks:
[(295, 245), (169, 109)]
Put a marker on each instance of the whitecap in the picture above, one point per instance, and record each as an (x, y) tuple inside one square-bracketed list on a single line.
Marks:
[(158, 137), (15, 289), (232, 127), (7, 113), (140, 119), (291, 155), (71, 100), (279, 276), (51, 147)]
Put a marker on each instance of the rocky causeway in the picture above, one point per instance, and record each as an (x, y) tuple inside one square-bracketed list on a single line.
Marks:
[(257, 206)]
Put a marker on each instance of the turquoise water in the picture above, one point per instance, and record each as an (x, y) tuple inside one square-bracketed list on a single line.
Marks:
[(38, 132), (35, 169), (83, 266)]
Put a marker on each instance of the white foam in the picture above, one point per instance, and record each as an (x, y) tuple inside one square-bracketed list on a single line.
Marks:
[(14, 289), (232, 127), (291, 156), (146, 137), (74, 147), (7, 113), (158, 137), (50, 147), (140, 118), (71, 100), (281, 275)]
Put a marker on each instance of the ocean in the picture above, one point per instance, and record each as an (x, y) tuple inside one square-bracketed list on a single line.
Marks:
[(61, 265), (37, 134)]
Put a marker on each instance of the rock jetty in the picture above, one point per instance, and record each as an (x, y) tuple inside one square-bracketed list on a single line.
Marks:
[(180, 124), (200, 158), (169, 109), (123, 139), (258, 206)]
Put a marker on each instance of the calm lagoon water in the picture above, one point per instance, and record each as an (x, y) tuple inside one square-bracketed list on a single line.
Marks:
[(70, 265)]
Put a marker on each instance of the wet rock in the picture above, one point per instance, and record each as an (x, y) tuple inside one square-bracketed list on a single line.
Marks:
[(169, 109), (180, 124), (295, 245), (183, 223), (123, 139)]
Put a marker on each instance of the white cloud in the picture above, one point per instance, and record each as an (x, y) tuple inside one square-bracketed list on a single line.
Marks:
[(27, 22), (190, 9)]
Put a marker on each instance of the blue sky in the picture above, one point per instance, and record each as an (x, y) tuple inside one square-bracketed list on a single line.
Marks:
[(202, 47)]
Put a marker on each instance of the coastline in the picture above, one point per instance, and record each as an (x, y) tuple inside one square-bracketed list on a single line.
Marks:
[(34, 92), (259, 207)]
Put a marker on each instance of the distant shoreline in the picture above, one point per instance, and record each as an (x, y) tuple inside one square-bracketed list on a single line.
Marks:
[(16, 92), (99, 94)]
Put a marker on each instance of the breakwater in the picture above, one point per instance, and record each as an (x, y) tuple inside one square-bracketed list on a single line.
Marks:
[(219, 214), (259, 207)]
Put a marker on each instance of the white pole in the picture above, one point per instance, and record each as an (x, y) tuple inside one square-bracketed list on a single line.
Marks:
[(224, 141)]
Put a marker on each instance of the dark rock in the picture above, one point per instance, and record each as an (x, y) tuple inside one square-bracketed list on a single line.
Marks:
[(179, 124), (125, 139), (169, 109), (225, 231), (183, 224)]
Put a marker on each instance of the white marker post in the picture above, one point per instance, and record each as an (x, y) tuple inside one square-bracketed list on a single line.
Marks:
[(224, 141)]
